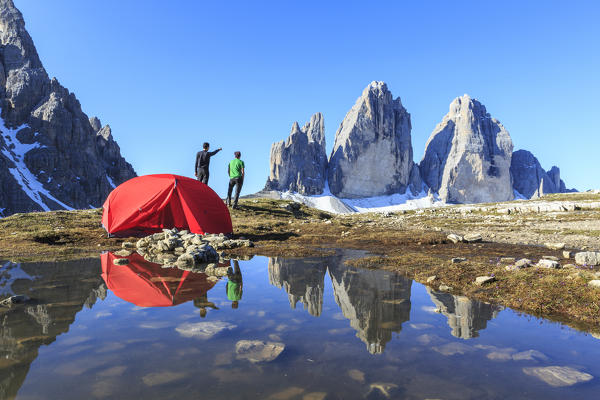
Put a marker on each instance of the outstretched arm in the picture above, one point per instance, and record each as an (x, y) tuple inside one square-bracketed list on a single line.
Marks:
[(212, 153)]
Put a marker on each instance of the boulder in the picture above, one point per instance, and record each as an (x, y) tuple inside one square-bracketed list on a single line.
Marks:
[(587, 258), (468, 155), (472, 238), (545, 263), (454, 238), (558, 376), (299, 164), (482, 280), (257, 351), (372, 153)]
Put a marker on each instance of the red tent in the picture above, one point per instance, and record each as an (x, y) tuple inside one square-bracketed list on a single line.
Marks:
[(150, 203), (146, 284)]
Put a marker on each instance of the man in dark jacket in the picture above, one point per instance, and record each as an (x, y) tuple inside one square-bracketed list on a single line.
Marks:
[(203, 161)]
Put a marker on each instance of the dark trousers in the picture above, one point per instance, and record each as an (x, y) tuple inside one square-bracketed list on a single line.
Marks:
[(237, 182), (203, 175)]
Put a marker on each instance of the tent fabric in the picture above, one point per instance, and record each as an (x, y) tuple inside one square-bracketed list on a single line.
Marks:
[(147, 284), (149, 203)]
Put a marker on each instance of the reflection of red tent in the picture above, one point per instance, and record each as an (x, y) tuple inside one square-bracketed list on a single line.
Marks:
[(146, 284), (152, 202)]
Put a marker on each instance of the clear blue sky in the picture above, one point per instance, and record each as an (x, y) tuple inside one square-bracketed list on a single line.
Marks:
[(168, 76)]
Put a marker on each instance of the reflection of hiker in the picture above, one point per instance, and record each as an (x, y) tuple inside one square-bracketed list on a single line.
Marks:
[(203, 161), (235, 169), (234, 284), (202, 303)]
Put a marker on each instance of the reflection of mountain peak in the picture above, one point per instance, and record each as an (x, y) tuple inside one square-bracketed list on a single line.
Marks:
[(376, 302), (59, 291), (302, 279), (466, 317)]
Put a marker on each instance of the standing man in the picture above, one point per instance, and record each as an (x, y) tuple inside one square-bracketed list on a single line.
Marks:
[(203, 161), (235, 169)]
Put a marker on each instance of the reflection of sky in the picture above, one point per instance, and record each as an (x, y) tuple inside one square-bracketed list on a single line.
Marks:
[(119, 350)]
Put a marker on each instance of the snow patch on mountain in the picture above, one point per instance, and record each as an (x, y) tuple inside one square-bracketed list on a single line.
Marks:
[(15, 151)]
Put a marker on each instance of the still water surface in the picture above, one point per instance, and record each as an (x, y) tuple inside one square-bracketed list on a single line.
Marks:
[(140, 331)]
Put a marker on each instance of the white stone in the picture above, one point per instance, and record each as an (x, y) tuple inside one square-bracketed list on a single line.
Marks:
[(587, 258), (558, 376), (203, 330), (481, 280), (544, 263), (258, 351)]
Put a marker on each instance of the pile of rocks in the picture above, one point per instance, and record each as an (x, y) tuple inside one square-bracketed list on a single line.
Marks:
[(183, 249)]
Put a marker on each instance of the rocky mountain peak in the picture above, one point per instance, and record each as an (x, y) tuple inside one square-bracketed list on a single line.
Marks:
[(51, 155), (467, 157), (372, 152), (315, 129), (299, 163)]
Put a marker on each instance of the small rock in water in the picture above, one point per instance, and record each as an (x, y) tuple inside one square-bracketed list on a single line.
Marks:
[(481, 280), (472, 238), (431, 278), (545, 263), (203, 330), (594, 283), (558, 376), (529, 355), (567, 254), (257, 351), (381, 390), (454, 238), (128, 245), (121, 261), (457, 260), (161, 378), (357, 375), (554, 246), (587, 258)]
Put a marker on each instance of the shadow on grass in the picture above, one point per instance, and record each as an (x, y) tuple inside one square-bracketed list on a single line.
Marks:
[(275, 236)]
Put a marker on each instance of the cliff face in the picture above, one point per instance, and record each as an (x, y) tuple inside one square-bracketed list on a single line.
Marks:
[(372, 154), (530, 179), (52, 156), (303, 280), (376, 304), (299, 164), (467, 157), (465, 317)]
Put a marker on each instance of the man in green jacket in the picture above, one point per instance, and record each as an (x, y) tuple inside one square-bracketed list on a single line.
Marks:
[(235, 169)]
